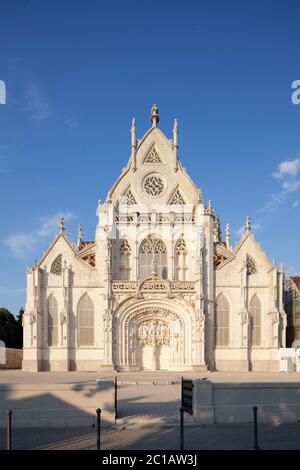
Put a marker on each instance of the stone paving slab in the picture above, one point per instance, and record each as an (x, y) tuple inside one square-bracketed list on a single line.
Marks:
[(208, 437), (143, 377)]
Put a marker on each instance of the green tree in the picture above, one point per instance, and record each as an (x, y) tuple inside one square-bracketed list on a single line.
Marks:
[(8, 328), (19, 329)]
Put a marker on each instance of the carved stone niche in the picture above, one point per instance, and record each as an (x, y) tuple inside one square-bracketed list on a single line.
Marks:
[(153, 333)]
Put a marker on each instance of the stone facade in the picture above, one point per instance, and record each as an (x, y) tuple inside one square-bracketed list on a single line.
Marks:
[(158, 288), (292, 308)]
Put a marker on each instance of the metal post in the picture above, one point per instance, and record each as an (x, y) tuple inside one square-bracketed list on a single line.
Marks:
[(116, 398), (256, 446), (98, 411), (181, 429), (8, 429)]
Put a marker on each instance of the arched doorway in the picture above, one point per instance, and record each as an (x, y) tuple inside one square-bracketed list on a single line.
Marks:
[(152, 337)]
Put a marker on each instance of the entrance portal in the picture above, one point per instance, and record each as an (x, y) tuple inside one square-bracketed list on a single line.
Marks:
[(152, 337)]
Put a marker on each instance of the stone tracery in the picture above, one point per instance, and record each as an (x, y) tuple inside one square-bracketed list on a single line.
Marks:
[(153, 185)]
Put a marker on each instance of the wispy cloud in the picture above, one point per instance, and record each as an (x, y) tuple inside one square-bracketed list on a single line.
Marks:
[(23, 244), (72, 122), (288, 175), (36, 103), (254, 228)]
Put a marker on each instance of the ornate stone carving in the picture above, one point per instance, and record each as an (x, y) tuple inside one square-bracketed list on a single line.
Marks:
[(56, 267), (125, 248), (153, 285), (177, 198), (157, 312), (128, 199), (153, 157), (181, 246), (153, 245), (153, 185), (33, 318), (63, 317), (250, 265), (153, 333)]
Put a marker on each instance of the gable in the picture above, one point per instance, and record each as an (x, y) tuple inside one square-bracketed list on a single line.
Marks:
[(152, 181)]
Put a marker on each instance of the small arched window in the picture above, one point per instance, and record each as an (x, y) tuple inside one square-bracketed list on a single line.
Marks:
[(125, 260), (52, 321), (153, 252), (85, 321), (56, 266), (180, 260), (255, 313), (222, 324)]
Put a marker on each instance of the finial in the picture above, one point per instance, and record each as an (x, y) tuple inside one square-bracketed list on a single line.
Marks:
[(210, 209), (154, 115), (227, 236), (61, 225), (133, 133), (200, 198), (248, 224), (80, 235)]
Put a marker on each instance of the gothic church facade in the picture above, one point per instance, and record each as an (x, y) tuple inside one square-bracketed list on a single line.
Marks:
[(158, 289)]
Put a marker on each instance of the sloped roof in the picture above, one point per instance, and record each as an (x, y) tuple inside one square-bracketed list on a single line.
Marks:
[(296, 280)]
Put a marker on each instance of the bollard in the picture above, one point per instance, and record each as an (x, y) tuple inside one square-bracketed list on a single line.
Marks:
[(255, 446), (8, 429), (116, 398), (181, 429), (98, 411)]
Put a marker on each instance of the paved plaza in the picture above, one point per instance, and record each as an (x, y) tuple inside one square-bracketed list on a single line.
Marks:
[(148, 416)]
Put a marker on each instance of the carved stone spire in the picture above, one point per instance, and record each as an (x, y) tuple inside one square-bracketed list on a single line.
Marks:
[(209, 209), (133, 144), (80, 236), (227, 236), (61, 225), (248, 224), (154, 115), (217, 230)]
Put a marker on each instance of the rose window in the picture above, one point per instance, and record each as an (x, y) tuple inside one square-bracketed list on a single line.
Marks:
[(153, 185)]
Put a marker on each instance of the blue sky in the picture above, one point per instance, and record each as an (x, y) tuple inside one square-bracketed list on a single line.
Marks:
[(76, 73)]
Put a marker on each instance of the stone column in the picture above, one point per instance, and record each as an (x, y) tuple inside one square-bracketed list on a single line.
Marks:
[(108, 301), (32, 323), (64, 323)]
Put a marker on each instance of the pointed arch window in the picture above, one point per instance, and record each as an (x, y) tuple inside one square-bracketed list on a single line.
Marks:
[(153, 251), (222, 321), (125, 260), (52, 321), (180, 260), (56, 266), (255, 314), (85, 321)]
